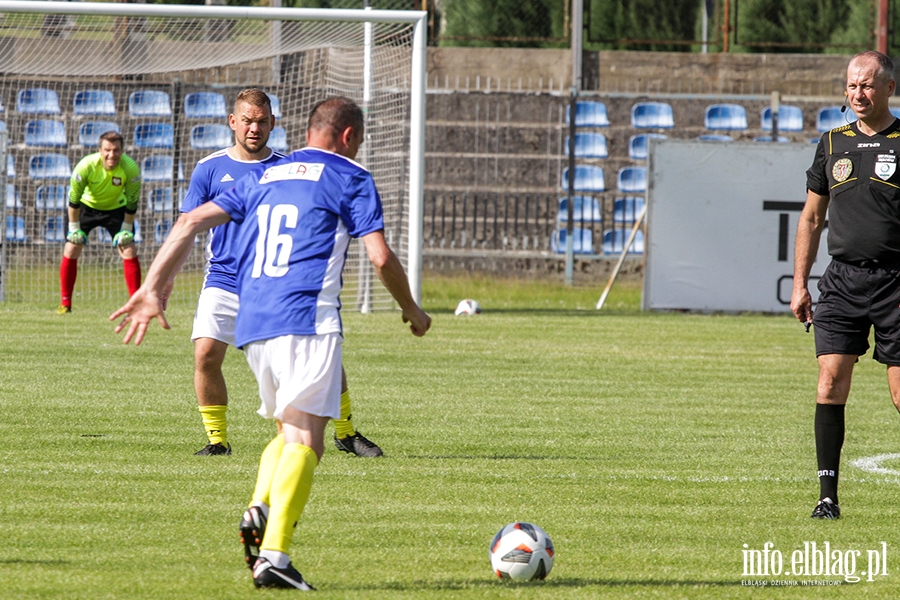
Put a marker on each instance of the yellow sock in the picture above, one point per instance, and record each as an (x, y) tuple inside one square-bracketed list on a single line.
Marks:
[(214, 423), (289, 493), (344, 426), (268, 464)]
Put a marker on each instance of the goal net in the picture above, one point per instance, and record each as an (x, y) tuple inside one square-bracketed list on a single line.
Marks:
[(166, 78)]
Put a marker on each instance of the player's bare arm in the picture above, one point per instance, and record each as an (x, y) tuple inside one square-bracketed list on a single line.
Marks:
[(390, 272), (809, 233), (147, 303)]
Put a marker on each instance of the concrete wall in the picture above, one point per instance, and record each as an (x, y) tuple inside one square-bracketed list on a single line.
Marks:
[(647, 72)]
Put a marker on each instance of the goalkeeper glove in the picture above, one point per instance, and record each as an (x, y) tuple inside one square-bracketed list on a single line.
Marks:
[(123, 238), (76, 235)]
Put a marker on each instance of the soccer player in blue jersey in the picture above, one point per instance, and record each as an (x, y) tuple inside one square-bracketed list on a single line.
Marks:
[(294, 224), (213, 331)]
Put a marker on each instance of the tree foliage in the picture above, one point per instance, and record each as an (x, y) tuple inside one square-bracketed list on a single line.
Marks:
[(612, 23)]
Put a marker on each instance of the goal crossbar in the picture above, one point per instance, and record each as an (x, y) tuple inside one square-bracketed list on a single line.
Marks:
[(416, 19)]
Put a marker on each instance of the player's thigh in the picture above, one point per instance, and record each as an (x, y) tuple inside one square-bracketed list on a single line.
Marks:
[(298, 371), (841, 318), (215, 316)]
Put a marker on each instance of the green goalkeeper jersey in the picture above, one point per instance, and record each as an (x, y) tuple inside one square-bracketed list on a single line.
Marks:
[(95, 187)]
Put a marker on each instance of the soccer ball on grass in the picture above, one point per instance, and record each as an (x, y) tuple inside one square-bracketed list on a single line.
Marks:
[(468, 308), (521, 552)]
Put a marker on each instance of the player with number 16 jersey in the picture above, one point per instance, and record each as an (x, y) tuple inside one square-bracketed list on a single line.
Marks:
[(342, 197)]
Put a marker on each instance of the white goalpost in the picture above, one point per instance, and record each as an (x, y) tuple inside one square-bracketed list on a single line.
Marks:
[(166, 76)]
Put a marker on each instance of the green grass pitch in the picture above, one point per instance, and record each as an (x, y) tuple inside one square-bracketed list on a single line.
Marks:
[(657, 450)]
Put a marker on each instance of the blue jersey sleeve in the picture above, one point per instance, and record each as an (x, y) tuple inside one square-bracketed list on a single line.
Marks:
[(198, 189), (361, 209), (233, 202)]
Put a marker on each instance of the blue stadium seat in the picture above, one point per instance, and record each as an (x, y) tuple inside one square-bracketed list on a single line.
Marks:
[(158, 167), (583, 241), (49, 166), (895, 111), (52, 197), (589, 114), (154, 135), (830, 117), (213, 136), (161, 200), (2, 125), (10, 166), (276, 105), (44, 132), (586, 210), (94, 102), (15, 229), (89, 132), (639, 145), (627, 209), (614, 241), (588, 178), (278, 140), (205, 105), (149, 103), (588, 145), (55, 229), (768, 138), (652, 114), (13, 200), (790, 118), (725, 116), (714, 137), (38, 101), (632, 179), (163, 227)]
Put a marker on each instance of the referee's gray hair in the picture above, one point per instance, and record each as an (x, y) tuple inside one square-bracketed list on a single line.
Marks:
[(885, 64)]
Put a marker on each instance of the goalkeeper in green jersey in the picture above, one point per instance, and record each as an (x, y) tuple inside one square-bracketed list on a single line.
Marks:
[(105, 188)]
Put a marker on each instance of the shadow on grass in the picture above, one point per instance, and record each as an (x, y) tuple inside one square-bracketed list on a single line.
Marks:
[(25, 561), (550, 583), (494, 457), (547, 312)]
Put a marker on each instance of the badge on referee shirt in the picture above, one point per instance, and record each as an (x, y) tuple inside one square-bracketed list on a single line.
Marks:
[(885, 165), (842, 169)]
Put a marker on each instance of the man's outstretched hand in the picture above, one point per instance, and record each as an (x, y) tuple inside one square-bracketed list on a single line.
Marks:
[(139, 311)]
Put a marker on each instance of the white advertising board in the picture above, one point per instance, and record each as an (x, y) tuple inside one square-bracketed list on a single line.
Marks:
[(721, 224)]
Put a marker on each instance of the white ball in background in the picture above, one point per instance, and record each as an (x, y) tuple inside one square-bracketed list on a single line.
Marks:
[(468, 307)]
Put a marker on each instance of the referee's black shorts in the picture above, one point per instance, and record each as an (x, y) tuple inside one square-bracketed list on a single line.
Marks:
[(852, 300)]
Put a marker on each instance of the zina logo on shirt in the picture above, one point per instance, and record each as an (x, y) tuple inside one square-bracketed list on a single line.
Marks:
[(297, 170)]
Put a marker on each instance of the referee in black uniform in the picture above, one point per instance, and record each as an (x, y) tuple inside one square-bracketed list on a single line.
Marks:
[(855, 177)]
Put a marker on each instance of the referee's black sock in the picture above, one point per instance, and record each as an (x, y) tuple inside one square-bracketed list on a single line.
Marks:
[(829, 440)]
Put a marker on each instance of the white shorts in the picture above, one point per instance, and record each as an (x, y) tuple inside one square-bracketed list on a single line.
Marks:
[(216, 312), (300, 371)]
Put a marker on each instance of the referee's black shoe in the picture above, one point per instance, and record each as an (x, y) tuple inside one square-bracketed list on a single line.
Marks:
[(826, 509), (214, 450)]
